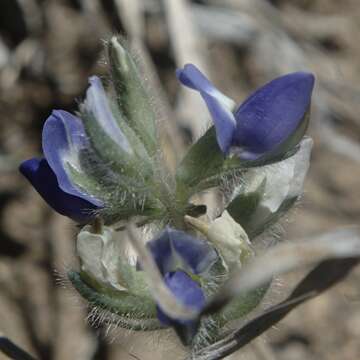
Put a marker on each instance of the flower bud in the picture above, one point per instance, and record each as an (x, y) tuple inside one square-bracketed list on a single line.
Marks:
[(132, 96), (228, 237), (99, 256)]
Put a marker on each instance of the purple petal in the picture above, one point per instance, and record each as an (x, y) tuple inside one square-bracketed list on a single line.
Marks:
[(195, 253), (218, 104), (41, 176), (97, 104), (272, 114), (63, 138), (190, 294), (174, 249), (161, 251)]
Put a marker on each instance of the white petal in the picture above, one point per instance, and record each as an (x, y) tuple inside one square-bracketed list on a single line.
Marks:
[(100, 257), (230, 239), (227, 236), (284, 180)]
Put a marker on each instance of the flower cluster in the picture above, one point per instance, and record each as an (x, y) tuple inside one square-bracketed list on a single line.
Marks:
[(104, 167)]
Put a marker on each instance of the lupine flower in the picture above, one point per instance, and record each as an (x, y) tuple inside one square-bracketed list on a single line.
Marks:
[(63, 138), (181, 258), (264, 121), (178, 256)]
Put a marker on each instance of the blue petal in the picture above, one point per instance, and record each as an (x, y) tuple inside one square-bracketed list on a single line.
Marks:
[(188, 292), (161, 251), (174, 249), (96, 103), (63, 139), (41, 176), (218, 104), (196, 254), (272, 113)]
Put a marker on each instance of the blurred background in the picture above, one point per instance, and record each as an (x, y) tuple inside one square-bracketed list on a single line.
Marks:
[(48, 48)]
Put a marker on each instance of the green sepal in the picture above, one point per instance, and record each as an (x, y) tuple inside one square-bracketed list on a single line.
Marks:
[(126, 191), (244, 210), (273, 218), (203, 161), (212, 327), (244, 205), (134, 312), (135, 280), (209, 327), (211, 283), (242, 305), (123, 197), (132, 97)]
